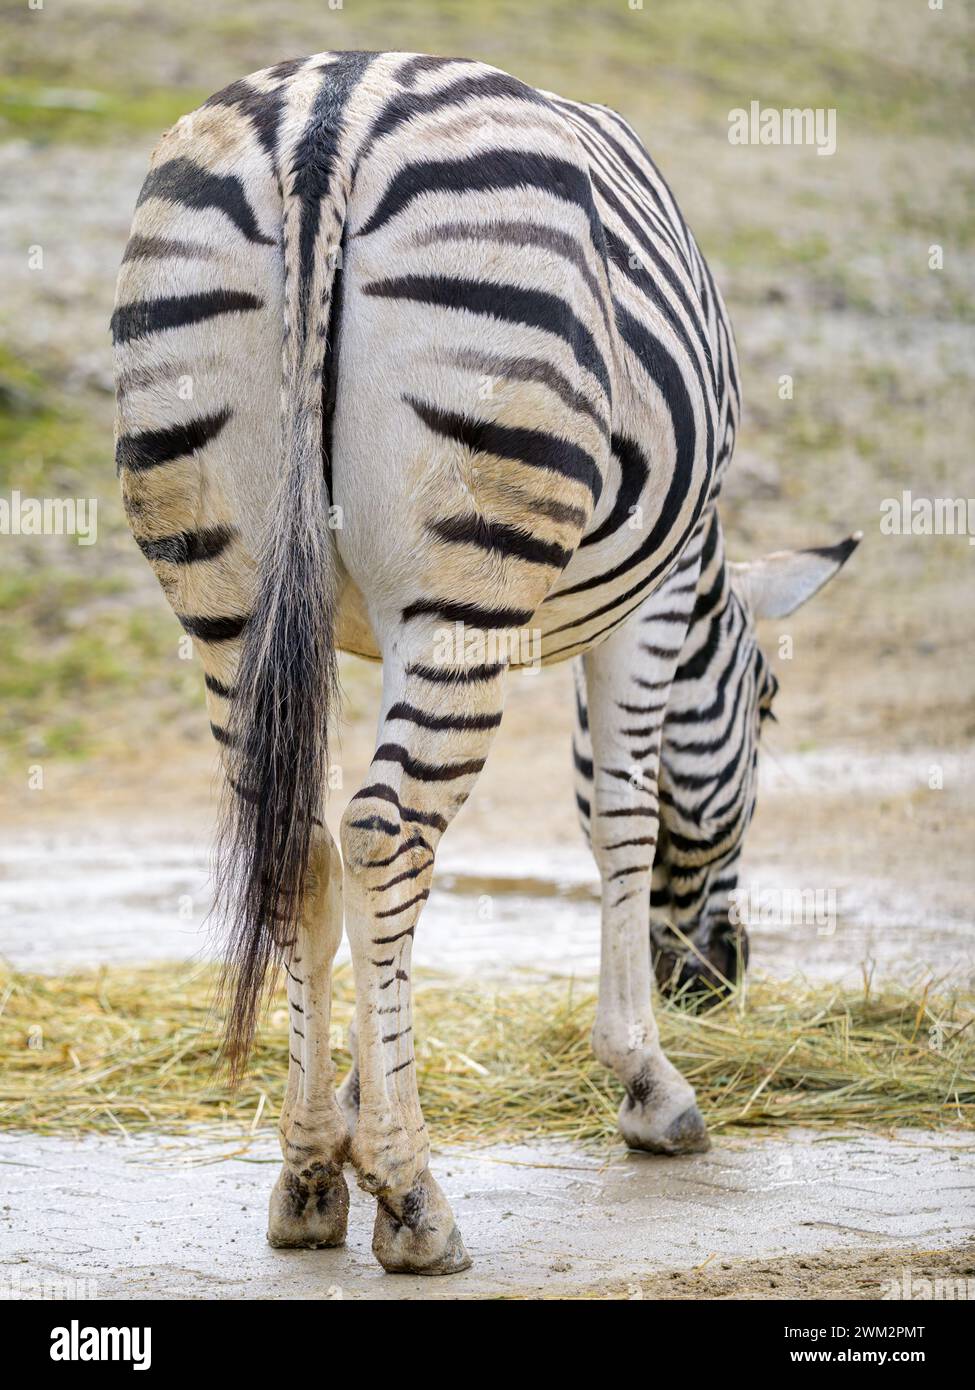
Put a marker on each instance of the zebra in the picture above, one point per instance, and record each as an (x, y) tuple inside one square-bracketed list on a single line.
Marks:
[(690, 689), (507, 395)]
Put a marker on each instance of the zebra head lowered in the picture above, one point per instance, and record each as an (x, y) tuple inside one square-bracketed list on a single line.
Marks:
[(721, 695)]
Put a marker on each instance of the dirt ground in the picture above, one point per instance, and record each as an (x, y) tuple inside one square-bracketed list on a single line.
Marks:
[(847, 1275)]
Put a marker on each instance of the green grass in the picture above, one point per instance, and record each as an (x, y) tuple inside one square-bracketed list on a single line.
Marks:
[(77, 632), (774, 248), (73, 645), (693, 55), (41, 111), (50, 443)]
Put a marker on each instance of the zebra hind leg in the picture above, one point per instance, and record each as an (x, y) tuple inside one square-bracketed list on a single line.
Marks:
[(434, 739), (309, 1205)]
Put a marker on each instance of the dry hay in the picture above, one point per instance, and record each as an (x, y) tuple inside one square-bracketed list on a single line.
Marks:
[(137, 1049)]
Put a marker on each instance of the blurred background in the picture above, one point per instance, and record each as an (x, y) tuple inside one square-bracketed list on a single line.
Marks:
[(825, 263)]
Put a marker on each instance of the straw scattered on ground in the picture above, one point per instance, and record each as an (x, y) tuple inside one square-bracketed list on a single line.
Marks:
[(137, 1049)]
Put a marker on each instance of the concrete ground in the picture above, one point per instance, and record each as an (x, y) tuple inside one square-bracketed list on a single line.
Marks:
[(803, 1214)]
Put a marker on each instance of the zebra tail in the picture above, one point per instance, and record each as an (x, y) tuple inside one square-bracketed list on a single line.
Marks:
[(287, 683)]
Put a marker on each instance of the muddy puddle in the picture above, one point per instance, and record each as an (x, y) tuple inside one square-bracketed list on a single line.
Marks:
[(822, 898), (70, 901)]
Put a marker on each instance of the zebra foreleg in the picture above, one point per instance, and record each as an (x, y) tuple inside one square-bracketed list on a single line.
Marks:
[(310, 1201), (659, 1113)]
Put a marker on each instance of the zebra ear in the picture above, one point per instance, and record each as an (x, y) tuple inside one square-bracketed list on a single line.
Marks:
[(776, 585)]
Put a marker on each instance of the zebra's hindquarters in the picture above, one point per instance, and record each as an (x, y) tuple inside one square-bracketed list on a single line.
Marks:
[(220, 457), (475, 375), (198, 436)]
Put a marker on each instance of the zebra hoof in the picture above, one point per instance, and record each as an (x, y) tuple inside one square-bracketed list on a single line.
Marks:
[(308, 1210), (687, 1134), (417, 1234)]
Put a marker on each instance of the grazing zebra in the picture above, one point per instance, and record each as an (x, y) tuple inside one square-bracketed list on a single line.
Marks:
[(694, 687), (506, 397)]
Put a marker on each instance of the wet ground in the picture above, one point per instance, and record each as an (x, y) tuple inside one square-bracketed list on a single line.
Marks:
[(100, 876), (164, 1219), (73, 896), (799, 1216), (72, 904)]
